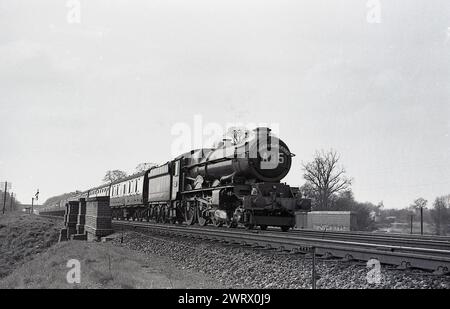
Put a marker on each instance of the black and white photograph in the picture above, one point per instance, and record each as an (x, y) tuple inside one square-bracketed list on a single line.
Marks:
[(217, 152)]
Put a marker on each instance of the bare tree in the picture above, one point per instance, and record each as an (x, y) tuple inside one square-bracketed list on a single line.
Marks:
[(419, 203), (114, 175), (325, 177), (141, 167)]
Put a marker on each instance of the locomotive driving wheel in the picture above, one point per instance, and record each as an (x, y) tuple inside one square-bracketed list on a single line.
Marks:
[(202, 215), (230, 223), (179, 212), (189, 213), (165, 214), (249, 226), (152, 213), (285, 228), (216, 222), (202, 221), (158, 214)]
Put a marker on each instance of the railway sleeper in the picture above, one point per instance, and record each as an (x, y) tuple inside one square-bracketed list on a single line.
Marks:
[(392, 258), (385, 257), (442, 270)]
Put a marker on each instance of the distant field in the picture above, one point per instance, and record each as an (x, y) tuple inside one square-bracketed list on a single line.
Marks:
[(405, 228)]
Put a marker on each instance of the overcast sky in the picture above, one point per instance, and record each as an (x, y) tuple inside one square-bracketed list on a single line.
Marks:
[(77, 99)]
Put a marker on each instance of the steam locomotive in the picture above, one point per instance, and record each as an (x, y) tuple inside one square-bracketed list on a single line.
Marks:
[(230, 185)]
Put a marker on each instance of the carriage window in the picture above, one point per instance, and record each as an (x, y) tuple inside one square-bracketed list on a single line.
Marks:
[(136, 186)]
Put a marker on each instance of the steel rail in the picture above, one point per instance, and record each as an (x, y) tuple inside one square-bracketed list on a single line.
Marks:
[(377, 239), (351, 237), (378, 234), (423, 258)]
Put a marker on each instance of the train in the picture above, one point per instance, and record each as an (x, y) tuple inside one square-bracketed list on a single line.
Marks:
[(233, 184)]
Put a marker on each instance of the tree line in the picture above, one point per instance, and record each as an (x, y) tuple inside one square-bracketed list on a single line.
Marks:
[(329, 188), (110, 176), (115, 175), (437, 215)]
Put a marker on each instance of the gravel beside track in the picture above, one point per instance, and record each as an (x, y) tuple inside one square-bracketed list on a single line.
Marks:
[(243, 267)]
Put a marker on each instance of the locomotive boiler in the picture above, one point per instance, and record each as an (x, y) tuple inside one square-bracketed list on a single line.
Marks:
[(260, 157)]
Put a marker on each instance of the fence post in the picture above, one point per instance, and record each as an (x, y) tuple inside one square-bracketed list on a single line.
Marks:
[(313, 249)]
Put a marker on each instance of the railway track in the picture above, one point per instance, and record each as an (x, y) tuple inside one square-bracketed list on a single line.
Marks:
[(416, 241), (437, 260), (396, 240), (404, 252), (380, 234)]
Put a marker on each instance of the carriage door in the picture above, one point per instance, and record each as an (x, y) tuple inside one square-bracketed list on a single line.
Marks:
[(175, 179)]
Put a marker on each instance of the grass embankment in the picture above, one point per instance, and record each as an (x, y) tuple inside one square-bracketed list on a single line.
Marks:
[(23, 237), (102, 265), (33, 260)]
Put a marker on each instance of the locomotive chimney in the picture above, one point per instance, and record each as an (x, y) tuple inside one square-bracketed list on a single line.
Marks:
[(263, 137), (262, 130)]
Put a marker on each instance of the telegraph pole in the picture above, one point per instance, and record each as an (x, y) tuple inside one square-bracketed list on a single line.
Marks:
[(4, 196), (412, 223), (313, 249), (32, 202), (421, 220)]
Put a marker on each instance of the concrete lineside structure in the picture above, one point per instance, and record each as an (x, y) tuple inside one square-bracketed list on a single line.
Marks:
[(98, 217), (72, 217), (326, 220), (81, 216)]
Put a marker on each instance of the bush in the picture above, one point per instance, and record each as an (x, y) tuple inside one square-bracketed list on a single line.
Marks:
[(364, 219)]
